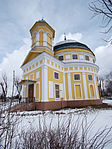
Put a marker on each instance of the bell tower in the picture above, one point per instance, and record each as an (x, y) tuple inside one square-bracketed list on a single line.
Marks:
[(42, 35)]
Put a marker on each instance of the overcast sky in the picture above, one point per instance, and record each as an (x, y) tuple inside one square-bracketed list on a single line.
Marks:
[(72, 17)]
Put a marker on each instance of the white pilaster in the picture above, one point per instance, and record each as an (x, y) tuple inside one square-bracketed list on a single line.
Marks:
[(44, 83), (69, 86), (96, 88), (64, 85), (85, 85)]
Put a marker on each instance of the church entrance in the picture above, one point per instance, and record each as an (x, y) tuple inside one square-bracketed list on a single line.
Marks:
[(31, 92)]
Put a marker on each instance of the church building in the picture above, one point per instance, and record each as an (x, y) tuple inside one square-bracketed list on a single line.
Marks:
[(63, 75)]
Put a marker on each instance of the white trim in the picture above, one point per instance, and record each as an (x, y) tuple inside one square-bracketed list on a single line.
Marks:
[(44, 83), (54, 60), (79, 76), (85, 85), (51, 88), (54, 75), (90, 91), (43, 26), (37, 76), (69, 86), (80, 90), (55, 91), (31, 75)]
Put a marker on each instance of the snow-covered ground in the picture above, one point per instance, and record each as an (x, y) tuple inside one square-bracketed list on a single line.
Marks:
[(103, 117), (100, 118), (109, 102), (5, 105)]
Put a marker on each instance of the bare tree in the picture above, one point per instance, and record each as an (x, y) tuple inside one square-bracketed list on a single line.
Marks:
[(18, 87), (104, 9), (4, 86)]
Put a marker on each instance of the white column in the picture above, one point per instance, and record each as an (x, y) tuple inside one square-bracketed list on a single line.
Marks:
[(44, 83), (96, 88), (69, 86), (64, 85), (85, 85)]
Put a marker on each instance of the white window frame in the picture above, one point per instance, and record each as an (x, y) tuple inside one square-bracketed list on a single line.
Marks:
[(50, 91), (38, 74), (81, 57), (55, 90), (86, 59), (31, 75), (54, 75), (89, 79), (35, 91), (76, 74), (67, 56)]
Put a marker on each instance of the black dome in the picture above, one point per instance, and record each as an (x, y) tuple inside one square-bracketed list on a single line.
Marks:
[(70, 44)]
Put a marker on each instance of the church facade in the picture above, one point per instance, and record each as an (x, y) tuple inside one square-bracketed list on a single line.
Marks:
[(61, 76)]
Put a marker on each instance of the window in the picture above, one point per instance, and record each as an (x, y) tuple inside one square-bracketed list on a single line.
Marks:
[(77, 77), (81, 57), (57, 90), (87, 58), (37, 74), (67, 56), (60, 58), (74, 56), (93, 61), (90, 77), (56, 75)]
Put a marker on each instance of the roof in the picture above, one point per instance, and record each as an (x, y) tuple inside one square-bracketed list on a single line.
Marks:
[(27, 82), (42, 22), (70, 44)]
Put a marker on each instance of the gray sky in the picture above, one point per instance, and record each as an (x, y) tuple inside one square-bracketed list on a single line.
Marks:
[(18, 16), (72, 17)]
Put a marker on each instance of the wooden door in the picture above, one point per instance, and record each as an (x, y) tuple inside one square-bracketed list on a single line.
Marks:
[(31, 92)]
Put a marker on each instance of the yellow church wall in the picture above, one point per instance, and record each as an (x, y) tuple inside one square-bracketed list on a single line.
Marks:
[(49, 41), (32, 76), (24, 92), (45, 50), (41, 30), (65, 56), (41, 38), (73, 49), (55, 81), (77, 83), (90, 83), (34, 38)]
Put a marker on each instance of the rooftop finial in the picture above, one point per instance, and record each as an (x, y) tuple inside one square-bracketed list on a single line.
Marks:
[(64, 36), (42, 18)]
